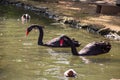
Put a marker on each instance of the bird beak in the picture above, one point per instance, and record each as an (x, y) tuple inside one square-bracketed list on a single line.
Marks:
[(27, 33)]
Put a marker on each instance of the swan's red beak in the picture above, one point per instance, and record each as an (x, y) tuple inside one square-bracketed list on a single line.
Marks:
[(27, 33)]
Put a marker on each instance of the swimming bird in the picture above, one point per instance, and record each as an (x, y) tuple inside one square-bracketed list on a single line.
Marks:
[(70, 73), (91, 49), (25, 18), (60, 41)]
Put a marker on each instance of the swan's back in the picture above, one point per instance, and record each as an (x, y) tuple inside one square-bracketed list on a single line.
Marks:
[(95, 48)]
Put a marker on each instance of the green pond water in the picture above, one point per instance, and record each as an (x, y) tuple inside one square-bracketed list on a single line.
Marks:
[(22, 59)]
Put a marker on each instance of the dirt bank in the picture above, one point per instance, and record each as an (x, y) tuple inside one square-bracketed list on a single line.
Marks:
[(85, 12), (82, 11)]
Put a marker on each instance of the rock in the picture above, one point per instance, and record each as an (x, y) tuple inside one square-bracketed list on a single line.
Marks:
[(104, 31), (113, 36), (118, 33)]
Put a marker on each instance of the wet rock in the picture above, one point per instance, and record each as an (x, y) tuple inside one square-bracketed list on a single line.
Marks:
[(83, 26), (104, 31), (118, 33), (93, 28), (113, 36)]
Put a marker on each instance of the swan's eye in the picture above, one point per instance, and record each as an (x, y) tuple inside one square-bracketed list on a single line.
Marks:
[(29, 29)]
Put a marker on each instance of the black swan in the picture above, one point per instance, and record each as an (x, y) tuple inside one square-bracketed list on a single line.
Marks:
[(94, 48), (56, 42)]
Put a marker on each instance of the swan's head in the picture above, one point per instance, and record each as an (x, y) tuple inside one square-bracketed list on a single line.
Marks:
[(28, 30), (70, 73), (34, 26)]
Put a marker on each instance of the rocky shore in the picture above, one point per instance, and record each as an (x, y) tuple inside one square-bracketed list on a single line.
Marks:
[(95, 29)]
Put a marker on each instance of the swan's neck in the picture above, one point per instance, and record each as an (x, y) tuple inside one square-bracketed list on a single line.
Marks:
[(40, 38), (74, 50)]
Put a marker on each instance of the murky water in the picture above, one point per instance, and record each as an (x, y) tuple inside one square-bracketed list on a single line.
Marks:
[(22, 59)]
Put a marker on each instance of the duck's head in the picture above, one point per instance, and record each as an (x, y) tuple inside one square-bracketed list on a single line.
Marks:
[(70, 73)]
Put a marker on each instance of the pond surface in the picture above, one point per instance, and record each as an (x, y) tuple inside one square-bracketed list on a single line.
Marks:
[(22, 59)]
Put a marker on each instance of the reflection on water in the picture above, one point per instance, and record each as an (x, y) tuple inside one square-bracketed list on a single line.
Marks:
[(27, 44), (22, 59), (85, 59)]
